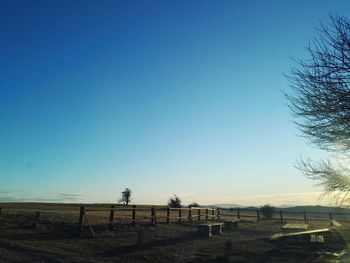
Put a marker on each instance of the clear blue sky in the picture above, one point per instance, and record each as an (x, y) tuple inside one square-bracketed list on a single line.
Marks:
[(163, 97)]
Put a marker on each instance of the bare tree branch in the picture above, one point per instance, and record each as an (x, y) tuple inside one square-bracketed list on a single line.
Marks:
[(320, 103)]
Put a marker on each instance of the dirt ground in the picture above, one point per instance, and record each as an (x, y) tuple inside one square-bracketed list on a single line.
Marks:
[(57, 239)]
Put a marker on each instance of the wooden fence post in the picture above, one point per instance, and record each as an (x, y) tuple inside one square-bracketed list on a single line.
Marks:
[(133, 220), (168, 215), (213, 214), (258, 215), (198, 215), (281, 216), (190, 214), (180, 216), (330, 218), (153, 216), (206, 214), (304, 217), (81, 219), (111, 215), (238, 214)]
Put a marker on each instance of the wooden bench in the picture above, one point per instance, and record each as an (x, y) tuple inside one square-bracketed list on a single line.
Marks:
[(209, 229)]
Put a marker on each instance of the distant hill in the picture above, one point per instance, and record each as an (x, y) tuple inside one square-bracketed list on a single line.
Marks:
[(226, 206), (309, 208), (317, 208)]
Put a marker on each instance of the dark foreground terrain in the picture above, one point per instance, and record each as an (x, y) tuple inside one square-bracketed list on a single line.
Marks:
[(57, 239)]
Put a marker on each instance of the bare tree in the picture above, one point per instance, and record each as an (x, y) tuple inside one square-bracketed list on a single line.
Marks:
[(320, 102), (126, 196)]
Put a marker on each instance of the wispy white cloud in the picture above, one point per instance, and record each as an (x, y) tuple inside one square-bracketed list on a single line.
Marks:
[(70, 195), (186, 194), (7, 195), (20, 196), (6, 192)]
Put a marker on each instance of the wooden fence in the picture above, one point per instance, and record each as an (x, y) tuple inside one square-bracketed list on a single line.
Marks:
[(283, 216), (164, 214), (153, 214), (198, 214)]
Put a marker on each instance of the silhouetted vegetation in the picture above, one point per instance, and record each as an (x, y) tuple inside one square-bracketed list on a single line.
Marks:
[(126, 196), (194, 204), (267, 211), (174, 202), (320, 102)]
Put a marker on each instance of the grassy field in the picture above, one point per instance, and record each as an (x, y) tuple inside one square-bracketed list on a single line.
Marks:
[(57, 238)]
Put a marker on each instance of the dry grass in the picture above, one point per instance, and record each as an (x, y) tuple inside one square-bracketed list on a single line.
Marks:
[(57, 237)]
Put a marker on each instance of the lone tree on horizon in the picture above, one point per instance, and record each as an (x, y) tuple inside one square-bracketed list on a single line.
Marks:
[(320, 103), (126, 196), (174, 202)]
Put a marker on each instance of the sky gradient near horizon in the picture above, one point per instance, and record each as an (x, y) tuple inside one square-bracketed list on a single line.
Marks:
[(163, 97)]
